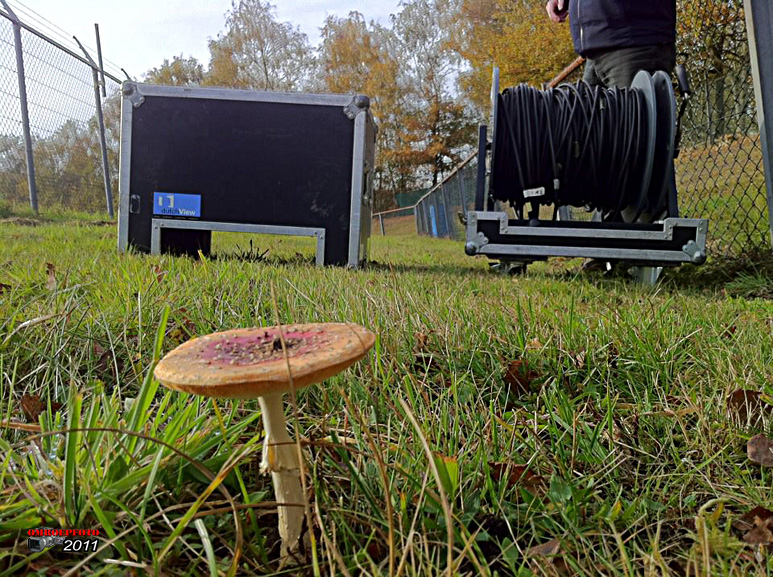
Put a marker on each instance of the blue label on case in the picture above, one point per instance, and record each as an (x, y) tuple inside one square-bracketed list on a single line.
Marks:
[(177, 204)]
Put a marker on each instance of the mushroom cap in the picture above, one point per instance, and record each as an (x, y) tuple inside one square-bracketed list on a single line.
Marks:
[(249, 363)]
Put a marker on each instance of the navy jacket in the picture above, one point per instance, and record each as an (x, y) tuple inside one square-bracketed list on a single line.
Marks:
[(604, 24)]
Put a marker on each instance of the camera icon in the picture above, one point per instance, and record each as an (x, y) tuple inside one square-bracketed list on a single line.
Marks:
[(41, 543)]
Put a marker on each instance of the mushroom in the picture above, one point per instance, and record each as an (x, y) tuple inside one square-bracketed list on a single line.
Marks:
[(252, 363)]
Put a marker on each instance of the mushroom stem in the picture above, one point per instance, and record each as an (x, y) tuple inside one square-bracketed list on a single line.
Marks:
[(280, 458)]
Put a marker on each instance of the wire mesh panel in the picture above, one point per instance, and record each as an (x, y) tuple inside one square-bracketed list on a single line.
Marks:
[(64, 128), (441, 211), (398, 222), (13, 168), (720, 174)]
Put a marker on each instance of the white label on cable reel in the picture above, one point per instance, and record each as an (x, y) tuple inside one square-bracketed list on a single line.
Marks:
[(534, 192)]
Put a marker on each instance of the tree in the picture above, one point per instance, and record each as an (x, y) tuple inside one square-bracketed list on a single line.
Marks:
[(360, 57), (179, 72), (258, 52), (514, 35), (711, 41), (438, 126)]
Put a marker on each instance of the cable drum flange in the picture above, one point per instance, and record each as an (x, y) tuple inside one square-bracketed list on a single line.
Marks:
[(662, 169), (644, 84)]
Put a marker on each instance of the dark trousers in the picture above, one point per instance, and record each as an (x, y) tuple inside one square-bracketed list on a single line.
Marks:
[(618, 66)]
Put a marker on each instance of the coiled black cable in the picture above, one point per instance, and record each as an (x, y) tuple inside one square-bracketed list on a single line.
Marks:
[(574, 145)]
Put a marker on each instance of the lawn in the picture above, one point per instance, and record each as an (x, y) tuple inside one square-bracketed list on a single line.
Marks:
[(559, 423)]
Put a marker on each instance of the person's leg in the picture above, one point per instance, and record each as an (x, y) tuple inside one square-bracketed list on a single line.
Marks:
[(590, 75), (618, 67)]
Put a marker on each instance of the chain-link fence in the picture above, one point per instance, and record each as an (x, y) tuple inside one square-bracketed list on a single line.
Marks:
[(396, 222), (720, 173), (53, 151), (439, 213)]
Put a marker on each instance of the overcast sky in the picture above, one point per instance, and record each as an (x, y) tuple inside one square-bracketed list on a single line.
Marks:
[(137, 35)]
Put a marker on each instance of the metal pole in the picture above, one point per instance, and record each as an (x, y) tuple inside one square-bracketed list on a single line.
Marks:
[(102, 140), (25, 115), (446, 211), (438, 213), (381, 222), (759, 27), (462, 195), (99, 59), (416, 217)]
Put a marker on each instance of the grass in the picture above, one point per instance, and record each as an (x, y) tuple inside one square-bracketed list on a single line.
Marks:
[(606, 449)]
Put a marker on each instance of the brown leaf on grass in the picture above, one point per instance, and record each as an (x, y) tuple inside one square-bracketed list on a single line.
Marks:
[(552, 547), (516, 475), (759, 449), (50, 276), (103, 358), (32, 406), (534, 345), (747, 405), (549, 559), (750, 519), (159, 272), (520, 377), (422, 340), (579, 359), (729, 332), (757, 526)]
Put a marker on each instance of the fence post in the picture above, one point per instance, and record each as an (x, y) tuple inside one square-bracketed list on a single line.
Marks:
[(447, 212), (438, 213), (759, 27), (462, 195), (25, 116), (101, 122), (381, 222), (425, 209)]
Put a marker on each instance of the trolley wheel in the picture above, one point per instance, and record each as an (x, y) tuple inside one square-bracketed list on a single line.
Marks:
[(509, 268)]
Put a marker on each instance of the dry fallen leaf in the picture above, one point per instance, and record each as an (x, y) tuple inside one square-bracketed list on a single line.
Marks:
[(520, 378), (757, 526), (746, 405), (422, 340), (759, 449), (552, 547), (579, 359), (748, 520), (534, 345), (516, 475), (103, 358), (548, 559), (729, 332), (159, 272), (50, 276), (32, 406)]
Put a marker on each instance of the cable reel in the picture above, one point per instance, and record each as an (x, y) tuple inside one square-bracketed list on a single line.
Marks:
[(609, 150)]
